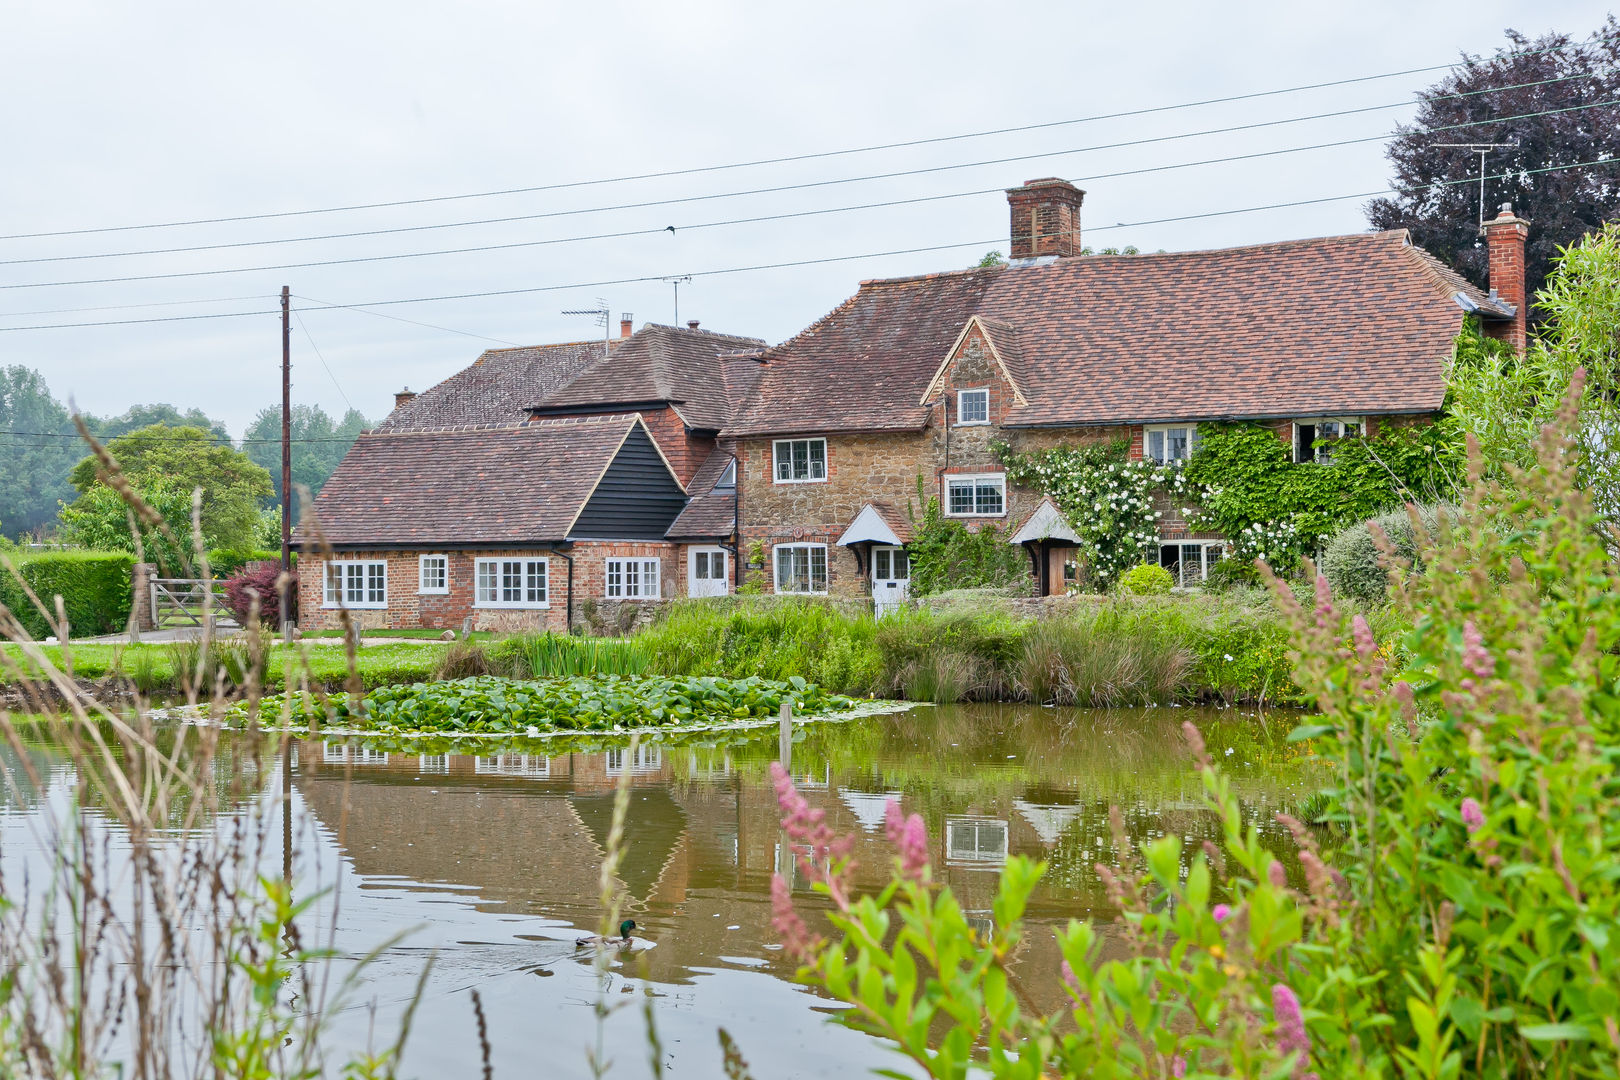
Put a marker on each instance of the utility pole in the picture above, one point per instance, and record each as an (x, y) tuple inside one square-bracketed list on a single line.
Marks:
[(286, 451)]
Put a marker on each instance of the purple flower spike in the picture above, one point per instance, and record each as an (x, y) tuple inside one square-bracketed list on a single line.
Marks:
[(1277, 874), (1472, 815), (1178, 1066), (1476, 658), (1221, 912), (1365, 645), (795, 936), (910, 839), (1291, 1035)]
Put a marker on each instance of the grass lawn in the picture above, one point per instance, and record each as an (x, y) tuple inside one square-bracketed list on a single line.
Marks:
[(153, 664)]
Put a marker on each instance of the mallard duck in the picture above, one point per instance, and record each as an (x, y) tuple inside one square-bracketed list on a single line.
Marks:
[(601, 941)]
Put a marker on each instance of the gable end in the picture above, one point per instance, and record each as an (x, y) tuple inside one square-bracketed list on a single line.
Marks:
[(638, 497)]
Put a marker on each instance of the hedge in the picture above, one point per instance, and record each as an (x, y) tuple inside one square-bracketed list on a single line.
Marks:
[(94, 586)]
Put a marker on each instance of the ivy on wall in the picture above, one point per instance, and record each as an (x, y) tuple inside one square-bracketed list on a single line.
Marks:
[(946, 554)]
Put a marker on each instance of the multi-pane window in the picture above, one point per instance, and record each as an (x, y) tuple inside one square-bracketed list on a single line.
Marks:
[(976, 496), (516, 583), (801, 568), (981, 840), (433, 574), (1190, 562), (709, 565), (646, 759), (800, 460), (1170, 442), (531, 765), (356, 583), (632, 579), (973, 406), (1313, 439), (891, 564)]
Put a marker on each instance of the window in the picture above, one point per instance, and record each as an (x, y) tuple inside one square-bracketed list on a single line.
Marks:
[(1169, 442), (973, 406), (632, 579), (433, 763), (728, 479), (514, 583), (709, 565), (531, 765), (891, 564), (800, 461), (433, 574), (1189, 562), (647, 759), (1313, 438), (975, 840), (976, 496), (356, 583), (801, 568)]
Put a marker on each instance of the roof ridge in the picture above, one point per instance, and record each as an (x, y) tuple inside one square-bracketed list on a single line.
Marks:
[(700, 330), (554, 345)]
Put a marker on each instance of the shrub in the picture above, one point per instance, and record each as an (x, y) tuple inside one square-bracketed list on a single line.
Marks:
[(464, 659), (95, 587), (1351, 559), (1147, 579), (259, 581), (228, 562), (946, 554)]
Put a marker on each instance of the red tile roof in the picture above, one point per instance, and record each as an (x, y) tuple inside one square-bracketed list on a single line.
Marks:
[(511, 487), (1349, 325), (497, 389), (712, 512)]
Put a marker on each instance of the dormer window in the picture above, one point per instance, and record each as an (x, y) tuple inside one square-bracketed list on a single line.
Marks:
[(973, 406), (1313, 438)]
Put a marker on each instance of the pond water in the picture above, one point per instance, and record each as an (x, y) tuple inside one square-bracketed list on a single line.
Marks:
[(492, 863)]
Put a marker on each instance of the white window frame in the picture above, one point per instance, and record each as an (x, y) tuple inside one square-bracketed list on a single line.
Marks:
[(809, 462), (640, 573), (1205, 561), (648, 759), (534, 766), (992, 856), (356, 587), (1163, 431), (810, 569), (728, 478), (1360, 423), (433, 764), (422, 586), (961, 406), (976, 479), (496, 578)]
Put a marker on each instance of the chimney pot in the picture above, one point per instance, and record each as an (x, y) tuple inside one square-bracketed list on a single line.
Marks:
[(1045, 218), (626, 327), (1505, 235), (403, 396), (691, 324)]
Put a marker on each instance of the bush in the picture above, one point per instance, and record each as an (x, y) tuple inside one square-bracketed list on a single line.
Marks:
[(95, 587), (258, 581), (1351, 559), (1147, 579), (228, 562)]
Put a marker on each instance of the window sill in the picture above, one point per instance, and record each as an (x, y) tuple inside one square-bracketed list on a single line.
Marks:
[(785, 592), (971, 423), (810, 480), (355, 607), (982, 517), (487, 606), (635, 599), (432, 592)]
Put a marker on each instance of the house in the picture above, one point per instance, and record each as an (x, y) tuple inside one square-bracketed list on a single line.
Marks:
[(535, 480), (914, 378)]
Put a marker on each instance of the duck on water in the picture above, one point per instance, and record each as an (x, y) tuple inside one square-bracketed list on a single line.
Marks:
[(605, 942)]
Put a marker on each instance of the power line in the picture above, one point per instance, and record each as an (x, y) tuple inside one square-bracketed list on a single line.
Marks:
[(480, 248), (413, 322), (211, 442), (126, 307), (1231, 129), (322, 359), (696, 170), (833, 258)]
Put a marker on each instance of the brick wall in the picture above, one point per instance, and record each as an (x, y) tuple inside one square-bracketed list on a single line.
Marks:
[(685, 452)]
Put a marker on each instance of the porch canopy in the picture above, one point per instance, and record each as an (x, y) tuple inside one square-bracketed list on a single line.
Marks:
[(878, 524), (1045, 531)]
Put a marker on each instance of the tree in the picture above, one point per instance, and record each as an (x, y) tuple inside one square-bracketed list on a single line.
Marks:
[(187, 458), (317, 444), (139, 416), (1437, 191), (100, 521), (40, 448)]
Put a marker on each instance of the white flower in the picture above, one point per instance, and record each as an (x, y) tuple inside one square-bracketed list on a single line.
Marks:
[(1228, 658), (1229, 751)]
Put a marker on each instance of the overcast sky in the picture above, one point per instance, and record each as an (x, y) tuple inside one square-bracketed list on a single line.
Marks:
[(122, 114)]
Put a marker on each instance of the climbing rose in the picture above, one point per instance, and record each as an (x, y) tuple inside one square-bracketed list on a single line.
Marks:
[(910, 839), (1472, 815)]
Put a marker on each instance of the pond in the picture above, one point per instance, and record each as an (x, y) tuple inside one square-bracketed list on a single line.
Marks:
[(491, 863)]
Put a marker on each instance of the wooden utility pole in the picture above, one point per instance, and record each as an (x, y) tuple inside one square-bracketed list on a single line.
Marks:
[(286, 449)]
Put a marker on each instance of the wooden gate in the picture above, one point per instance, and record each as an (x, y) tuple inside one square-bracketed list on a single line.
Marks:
[(181, 602)]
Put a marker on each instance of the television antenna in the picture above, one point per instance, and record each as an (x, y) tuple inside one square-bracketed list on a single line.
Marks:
[(1481, 149), (676, 281), (599, 314)]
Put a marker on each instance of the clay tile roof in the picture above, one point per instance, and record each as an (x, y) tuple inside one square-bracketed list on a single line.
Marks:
[(1344, 325), (712, 512), (513, 486), (496, 390), (657, 363), (895, 519)]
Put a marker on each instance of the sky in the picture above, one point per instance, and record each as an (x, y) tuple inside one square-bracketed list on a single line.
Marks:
[(124, 115)]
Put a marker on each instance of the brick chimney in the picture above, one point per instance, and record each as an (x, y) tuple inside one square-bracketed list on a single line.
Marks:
[(691, 324), (1045, 218), (1504, 238), (404, 396), (626, 324)]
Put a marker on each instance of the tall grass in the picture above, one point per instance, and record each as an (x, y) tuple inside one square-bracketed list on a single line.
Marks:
[(542, 656)]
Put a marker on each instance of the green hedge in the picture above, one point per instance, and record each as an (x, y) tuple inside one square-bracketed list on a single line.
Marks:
[(94, 586)]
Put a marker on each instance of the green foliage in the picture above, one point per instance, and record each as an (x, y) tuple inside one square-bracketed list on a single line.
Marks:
[(1351, 559), (95, 587), (228, 562), (163, 461), (101, 520), (33, 471), (1106, 497), (1147, 579), (768, 637), (991, 260), (318, 444), (946, 554), (1111, 660), (490, 704), (545, 656)]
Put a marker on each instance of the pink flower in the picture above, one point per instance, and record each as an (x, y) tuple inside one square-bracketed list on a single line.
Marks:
[(1291, 1035), (1476, 658), (1178, 1066), (796, 937), (1221, 912), (1473, 817), (1324, 601), (1365, 645), (1277, 874), (812, 839), (910, 839)]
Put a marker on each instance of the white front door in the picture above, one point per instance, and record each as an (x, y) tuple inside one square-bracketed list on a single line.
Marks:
[(708, 572), (891, 577)]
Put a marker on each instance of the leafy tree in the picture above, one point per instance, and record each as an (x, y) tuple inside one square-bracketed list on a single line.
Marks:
[(188, 458), (318, 444), (1563, 206), (139, 416), (100, 521), (34, 466)]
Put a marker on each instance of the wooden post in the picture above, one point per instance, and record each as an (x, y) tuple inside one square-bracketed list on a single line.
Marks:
[(784, 752)]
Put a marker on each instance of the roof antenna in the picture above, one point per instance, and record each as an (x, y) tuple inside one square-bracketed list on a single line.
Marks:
[(676, 281), (600, 314), (1481, 149)]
